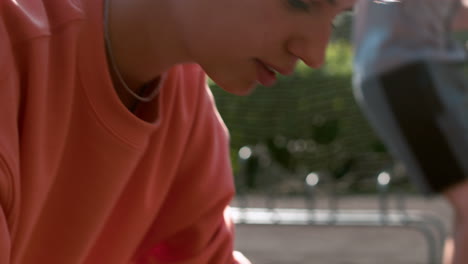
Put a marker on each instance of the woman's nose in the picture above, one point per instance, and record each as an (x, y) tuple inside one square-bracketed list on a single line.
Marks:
[(311, 49)]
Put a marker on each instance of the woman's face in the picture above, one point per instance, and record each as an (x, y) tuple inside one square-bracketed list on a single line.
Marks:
[(240, 43)]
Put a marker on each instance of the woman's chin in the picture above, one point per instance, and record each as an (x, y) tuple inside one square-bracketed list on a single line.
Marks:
[(240, 90)]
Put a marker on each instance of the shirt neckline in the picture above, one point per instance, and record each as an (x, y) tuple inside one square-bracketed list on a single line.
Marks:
[(98, 87)]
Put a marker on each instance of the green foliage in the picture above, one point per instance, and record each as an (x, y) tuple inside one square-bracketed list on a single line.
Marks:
[(326, 132), (339, 59)]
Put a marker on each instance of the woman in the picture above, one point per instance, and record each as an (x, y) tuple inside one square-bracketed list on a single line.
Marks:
[(111, 148)]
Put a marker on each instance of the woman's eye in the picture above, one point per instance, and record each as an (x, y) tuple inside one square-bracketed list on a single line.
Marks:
[(299, 5)]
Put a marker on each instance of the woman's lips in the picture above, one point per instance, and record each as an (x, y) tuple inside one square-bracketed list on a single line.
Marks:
[(265, 75)]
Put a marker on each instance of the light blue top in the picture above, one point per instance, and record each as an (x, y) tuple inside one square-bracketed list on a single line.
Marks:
[(389, 33)]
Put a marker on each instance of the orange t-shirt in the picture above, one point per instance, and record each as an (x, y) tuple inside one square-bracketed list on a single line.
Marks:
[(82, 180)]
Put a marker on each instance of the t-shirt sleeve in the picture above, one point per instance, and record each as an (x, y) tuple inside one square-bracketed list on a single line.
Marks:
[(196, 206)]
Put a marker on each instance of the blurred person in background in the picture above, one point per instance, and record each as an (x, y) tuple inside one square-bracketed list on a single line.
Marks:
[(410, 82)]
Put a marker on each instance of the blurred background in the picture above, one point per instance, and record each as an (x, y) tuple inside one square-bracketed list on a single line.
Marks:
[(309, 123)]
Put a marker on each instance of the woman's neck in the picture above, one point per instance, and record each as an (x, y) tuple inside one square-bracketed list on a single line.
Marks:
[(144, 41)]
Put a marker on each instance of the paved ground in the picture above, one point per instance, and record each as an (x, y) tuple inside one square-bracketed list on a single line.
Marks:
[(338, 245)]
